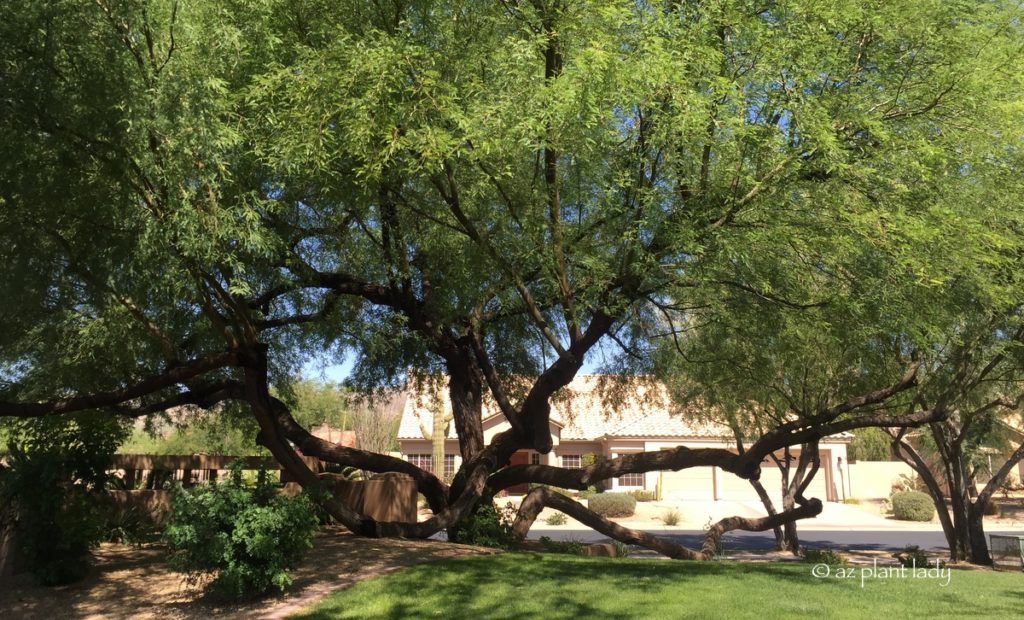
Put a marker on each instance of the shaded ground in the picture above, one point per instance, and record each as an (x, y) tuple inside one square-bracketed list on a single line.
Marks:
[(129, 582), (557, 587)]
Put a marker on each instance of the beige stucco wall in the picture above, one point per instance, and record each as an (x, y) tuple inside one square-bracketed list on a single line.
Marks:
[(874, 479)]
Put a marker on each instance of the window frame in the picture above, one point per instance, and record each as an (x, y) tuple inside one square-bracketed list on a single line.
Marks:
[(578, 458)]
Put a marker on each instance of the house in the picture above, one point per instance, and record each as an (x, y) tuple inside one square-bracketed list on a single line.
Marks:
[(583, 426)]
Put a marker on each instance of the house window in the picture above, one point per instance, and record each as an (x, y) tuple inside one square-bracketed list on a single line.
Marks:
[(423, 461), (573, 461), (631, 480), (535, 459), (449, 465)]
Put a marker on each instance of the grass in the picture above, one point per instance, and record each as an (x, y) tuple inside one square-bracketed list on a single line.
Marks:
[(553, 586)]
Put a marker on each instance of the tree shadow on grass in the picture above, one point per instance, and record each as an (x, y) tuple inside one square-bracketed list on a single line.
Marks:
[(518, 584), (503, 585)]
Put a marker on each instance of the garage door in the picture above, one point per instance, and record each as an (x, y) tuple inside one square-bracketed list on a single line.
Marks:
[(693, 483), (734, 488)]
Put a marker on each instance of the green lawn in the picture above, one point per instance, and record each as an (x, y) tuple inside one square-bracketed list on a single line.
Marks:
[(555, 586)]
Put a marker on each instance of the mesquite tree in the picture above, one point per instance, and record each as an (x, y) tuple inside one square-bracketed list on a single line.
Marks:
[(196, 198)]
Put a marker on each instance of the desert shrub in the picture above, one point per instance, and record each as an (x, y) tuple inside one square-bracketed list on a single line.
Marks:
[(912, 506), (129, 524), (589, 492), (557, 518), (247, 536), (487, 526), (671, 516), (613, 504), (643, 495), (991, 508), (822, 556), (621, 549), (50, 489), (911, 556)]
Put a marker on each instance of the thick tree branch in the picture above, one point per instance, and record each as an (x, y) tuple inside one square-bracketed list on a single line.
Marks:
[(172, 376)]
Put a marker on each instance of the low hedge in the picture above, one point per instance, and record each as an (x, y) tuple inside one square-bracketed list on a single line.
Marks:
[(613, 504), (912, 506)]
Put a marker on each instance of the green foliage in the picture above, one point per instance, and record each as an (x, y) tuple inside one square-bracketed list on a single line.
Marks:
[(613, 504), (869, 444), (671, 516), (487, 526), (230, 431), (911, 556), (589, 492), (822, 556), (570, 547), (912, 506), (314, 403), (247, 536), (56, 469), (556, 518)]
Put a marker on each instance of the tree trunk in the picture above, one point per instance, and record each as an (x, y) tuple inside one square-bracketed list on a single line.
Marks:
[(766, 500), (976, 534), (465, 390)]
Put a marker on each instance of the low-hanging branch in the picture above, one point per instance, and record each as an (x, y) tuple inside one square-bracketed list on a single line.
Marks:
[(539, 498), (174, 375)]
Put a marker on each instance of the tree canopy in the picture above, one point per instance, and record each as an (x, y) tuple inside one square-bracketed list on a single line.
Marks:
[(197, 198)]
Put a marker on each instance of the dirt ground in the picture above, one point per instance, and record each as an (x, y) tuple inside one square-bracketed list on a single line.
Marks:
[(130, 582)]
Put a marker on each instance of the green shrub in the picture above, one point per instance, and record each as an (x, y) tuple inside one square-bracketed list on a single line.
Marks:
[(557, 518), (589, 492), (671, 516), (613, 504), (248, 536), (486, 527), (643, 495), (50, 490), (621, 549), (911, 556), (822, 556), (912, 506), (852, 500), (572, 546)]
